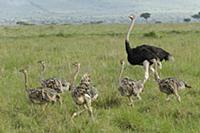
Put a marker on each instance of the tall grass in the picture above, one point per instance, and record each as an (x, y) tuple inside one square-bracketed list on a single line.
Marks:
[(98, 48)]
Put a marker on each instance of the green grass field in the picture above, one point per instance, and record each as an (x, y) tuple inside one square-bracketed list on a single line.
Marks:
[(99, 49)]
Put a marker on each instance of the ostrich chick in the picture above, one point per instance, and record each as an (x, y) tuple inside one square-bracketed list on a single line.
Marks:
[(40, 94), (129, 87), (170, 85), (54, 83), (83, 95)]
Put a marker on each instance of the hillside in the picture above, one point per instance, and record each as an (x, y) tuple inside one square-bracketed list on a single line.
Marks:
[(78, 11)]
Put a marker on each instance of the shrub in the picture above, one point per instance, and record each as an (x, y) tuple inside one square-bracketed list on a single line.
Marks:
[(151, 34)]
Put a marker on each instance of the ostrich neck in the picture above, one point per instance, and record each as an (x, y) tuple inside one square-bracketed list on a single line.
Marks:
[(156, 75), (42, 72), (75, 76), (25, 80), (128, 48), (129, 30), (121, 72), (127, 43)]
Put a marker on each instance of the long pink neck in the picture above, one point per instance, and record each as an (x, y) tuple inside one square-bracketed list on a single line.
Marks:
[(129, 29)]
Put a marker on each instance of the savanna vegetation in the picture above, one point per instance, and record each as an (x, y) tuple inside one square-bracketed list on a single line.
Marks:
[(99, 49)]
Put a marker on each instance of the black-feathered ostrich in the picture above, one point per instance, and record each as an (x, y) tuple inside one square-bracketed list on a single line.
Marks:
[(143, 54)]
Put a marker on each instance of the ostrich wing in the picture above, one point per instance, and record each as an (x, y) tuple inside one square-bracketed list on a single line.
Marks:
[(157, 52), (142, 53)]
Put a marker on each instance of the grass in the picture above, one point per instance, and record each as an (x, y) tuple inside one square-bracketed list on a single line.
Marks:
[(98, 48)]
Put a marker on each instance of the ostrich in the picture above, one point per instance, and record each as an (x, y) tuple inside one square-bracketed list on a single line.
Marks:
[(169, 85), (83, 95), (40, 94), (53, 83), (142, 55), (129, 87)]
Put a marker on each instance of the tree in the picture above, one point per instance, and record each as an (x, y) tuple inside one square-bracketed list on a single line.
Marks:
[(145, 15), (158, 22), (23, 23), (196, 16), (187, 20)]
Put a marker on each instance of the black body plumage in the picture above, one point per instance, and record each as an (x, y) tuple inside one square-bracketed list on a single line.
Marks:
[(137, 55)]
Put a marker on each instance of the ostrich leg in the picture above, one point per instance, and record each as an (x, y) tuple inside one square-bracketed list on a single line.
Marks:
[(168, 98), (152, 70), (159, 64), (177, 95), (88, 105), (151, 67), (139, 97), (131, 103), (77, 113), (146, 68)]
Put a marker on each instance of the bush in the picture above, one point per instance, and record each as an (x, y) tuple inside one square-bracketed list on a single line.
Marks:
[(151, 34), (60, 34), (23, 23)]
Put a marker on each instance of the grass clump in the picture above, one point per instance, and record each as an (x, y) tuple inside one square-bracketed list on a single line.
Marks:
[(151, 34)]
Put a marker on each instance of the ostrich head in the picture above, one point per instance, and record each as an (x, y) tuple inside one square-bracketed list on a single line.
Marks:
[(42, 62), (122, 62), (128, 48), (132, 17), (77, 65), (23, 71)]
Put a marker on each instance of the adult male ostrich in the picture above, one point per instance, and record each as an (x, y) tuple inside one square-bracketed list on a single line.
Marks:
[(143, 54)]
